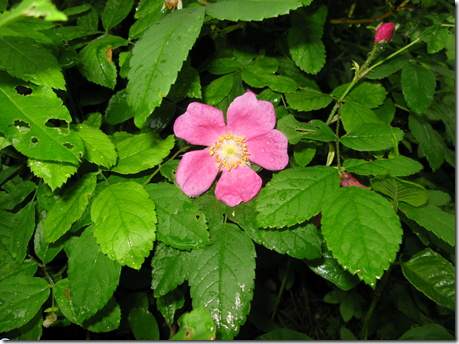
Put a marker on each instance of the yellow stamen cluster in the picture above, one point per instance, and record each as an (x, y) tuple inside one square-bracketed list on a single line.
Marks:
[(230, 151)]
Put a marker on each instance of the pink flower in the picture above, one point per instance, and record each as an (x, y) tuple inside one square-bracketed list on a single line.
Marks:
[(384, 31), (248, 137), (348, 178)]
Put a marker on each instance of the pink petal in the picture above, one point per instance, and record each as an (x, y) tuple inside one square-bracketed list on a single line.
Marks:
[(196, 172), (269, 150), (200, 125), (239, 184), (248, 117)]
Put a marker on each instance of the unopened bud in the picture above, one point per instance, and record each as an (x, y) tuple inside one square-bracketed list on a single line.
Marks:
[(384, 31)]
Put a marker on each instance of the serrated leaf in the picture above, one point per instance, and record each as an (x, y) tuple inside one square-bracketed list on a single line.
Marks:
[(157, 58), (180, 222), (288, 68), (69, 208), (352, 114), (222, 278), (97, 146), (224, 65), (55, 174), (33, 8), (23, 58), (366, 94), (188, 84), (125, 223), (169, 303), (399, 190), (386, 112), (308, 100), (418, 87), (295, 195), (196, 325), (118, 110), (96, 60), (433, 332), (295, 130), (169, 169), (89, 20), (20, 299), (397, 167), (429, 140), (105, 320), (69, 33), (435, 37), (93, 277), (143, 324), (362, 231), (33, 329), (141, 152), (214, 209), (304, 152), (63, 297), (438, 198), (432, 275), (170, 267), (16, 193), (46, 252), (371, 137), (23, 231), (25, 118), (217, 90), (387, 68), (146, 19), (441, 223), (114, 12), (161, 117), (250, 10)]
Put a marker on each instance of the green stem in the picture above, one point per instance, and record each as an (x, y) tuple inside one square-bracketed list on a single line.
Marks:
[(284, 280)]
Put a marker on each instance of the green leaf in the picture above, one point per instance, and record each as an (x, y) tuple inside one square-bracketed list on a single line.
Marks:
[(366, 94), (125, 220), (143, 324), (33, 8), (157, 58), (46, 252), (399, 190), (118, 110), (26, 123), (304, 152), (169, 303), (170, 267), (433, 332), (435, 37), (93, 277), (386, 112), (196, 325), (94, 120), (352, 114), (362, 231), (96, 60), (188, 84), (224, 65), (371, 137), (69, 208), (141, 152), (441, 223), (346, 334), (346, 309), (387, 68), (432, 275), (217, 90), (33, 329), (418, 87), (23, 231), (308, 99), (16, 193), (55, 174), (23, 58), (222, 278), (397, 167), (148, 13), (105, 320), (21, 297), (429, 140), (288, 68), (90, 20), (438, 198), (295, 131), (180, 222), (169, 169), (97, 146), (295, 195), (282, 334), (437, 66), (64, 299), (115, 11), (250, 10), (161, 117)]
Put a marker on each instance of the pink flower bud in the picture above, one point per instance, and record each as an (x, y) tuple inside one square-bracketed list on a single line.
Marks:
[(348, 178), (385, 31)]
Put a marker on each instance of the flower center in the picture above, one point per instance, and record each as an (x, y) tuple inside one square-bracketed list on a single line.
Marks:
[(230, 151)]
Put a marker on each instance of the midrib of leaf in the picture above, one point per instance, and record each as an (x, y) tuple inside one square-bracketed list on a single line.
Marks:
[(25, 56)]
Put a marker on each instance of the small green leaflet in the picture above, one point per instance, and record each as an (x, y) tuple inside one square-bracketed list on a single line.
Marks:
[(55, 174), (170, 267), (64, 299), (16, 193), (69, 208), (141, 152), (224, 65), (371, 137), (33, 329), (118, 110), (362, 231), (169, 303), (36, 9), (24, 122), (386, 112), (157, 58), (93, 277), (387, 68), (222, 278), (217, 90), (432, 275), (435, 37), (125, 221), (23, 231), (180, 222), (304, 152), (399, 190), (418, 87), (431, 217), (438, 198), (143, 324), (114, 12), (366, 94), (46, 252), (198, 323), (295, 195), (96, 60), (295, 130), (308, 99), (397, 167), (105, 320), (432, 332), (352, 114), (146, 16), (250, 10), (98, 147), (21, 298)]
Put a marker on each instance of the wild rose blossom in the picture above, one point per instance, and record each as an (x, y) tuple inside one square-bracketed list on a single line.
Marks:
[(384, 31), (248, 137), (351, 180)]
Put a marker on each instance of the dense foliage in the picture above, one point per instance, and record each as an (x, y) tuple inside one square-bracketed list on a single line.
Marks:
[(354, 238)]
